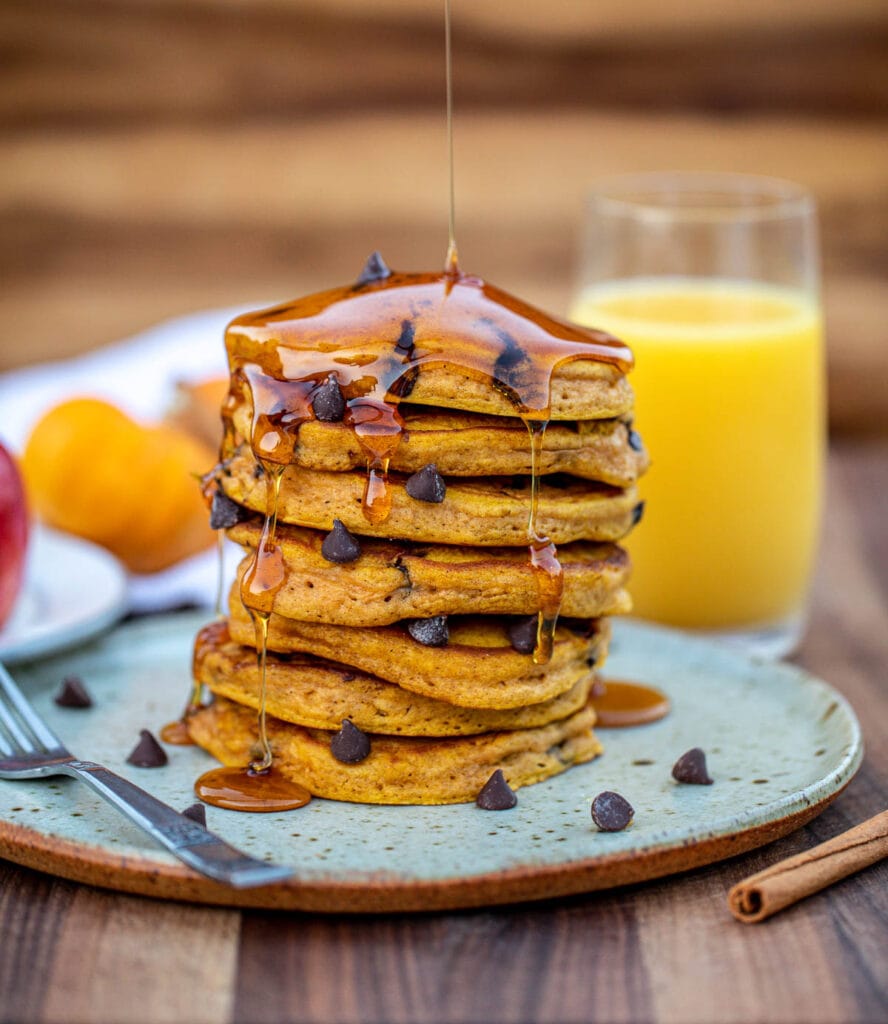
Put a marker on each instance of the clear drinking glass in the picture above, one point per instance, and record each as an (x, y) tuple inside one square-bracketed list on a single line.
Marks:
[(713, 279)]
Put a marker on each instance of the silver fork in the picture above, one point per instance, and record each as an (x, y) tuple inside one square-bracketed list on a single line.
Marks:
[(29, 749)]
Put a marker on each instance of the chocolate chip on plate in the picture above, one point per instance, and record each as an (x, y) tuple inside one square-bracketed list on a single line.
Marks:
[(196, 812), (225, 513), (611, 812), (497, 794), (523, 634), (427, 485), (328, 402), (375, 269), (147, 753), (430, 632), (73, 694), (339, 545), (691, 768), (637, 513), (350, 745)]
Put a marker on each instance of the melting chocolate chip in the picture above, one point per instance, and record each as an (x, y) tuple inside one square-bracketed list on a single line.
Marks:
[(350, 745), (328, 402), (339, 545), (634, 438), (637, 513), (427, 485), (196, 812), (523, 634), (404, 343), (73, 694), (691, 768), (430, 632), (225, 513), (258, 471), (147, 753), (375, 269), (497, 794), (611, 812)]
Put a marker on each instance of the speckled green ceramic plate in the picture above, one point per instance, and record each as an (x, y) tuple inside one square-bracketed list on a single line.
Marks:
[(781, 746)]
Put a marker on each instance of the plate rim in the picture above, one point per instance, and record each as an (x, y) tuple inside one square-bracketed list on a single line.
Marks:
[(81, 862)]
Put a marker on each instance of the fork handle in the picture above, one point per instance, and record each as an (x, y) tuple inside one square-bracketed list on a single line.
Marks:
[(186, 839)]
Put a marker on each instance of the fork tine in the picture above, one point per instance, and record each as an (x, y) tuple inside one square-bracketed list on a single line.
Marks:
[(28, 715), (21, 742), (5, 745)]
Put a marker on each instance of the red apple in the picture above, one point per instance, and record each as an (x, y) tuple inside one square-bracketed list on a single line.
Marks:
[(13, 532)]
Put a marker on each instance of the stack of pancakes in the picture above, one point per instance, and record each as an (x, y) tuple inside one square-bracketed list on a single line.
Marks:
[(400, 665)]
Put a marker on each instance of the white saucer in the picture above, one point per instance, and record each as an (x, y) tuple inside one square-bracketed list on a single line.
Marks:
[(72, 591)]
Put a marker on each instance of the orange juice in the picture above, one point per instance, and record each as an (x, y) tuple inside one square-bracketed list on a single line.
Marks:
[(730, 401)]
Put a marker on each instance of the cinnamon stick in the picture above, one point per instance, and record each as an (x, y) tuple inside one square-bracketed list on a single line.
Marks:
[(791, 880)]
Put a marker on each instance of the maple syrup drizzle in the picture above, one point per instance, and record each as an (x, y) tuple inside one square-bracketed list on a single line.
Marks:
[(257, 787), (451, 264), (619, 704)]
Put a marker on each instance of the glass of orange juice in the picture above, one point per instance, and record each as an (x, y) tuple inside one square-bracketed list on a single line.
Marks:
[(714, 282)]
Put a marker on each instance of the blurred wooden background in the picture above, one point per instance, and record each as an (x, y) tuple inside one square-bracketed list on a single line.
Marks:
[(162, 156)]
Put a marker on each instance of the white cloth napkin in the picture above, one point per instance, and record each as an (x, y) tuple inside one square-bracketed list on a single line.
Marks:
[(138, 375)]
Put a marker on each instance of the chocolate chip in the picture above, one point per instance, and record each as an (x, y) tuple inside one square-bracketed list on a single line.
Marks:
[(523, 634), (339, 545), (430, 632), (147, 753), (427, 485), (375, 269), (497, 794), (328, 402), (691, 768), (637, 513), (225, 513), (404, 344), (611, 812), (196, 812), (634, 438), (73, 694), (350, 745)]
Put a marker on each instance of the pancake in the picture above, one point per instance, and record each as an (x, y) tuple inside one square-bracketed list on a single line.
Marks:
[(319, 694), (399, 770), (393, 580), (478, 668), (447, 341), (489, 511), (469, 444)]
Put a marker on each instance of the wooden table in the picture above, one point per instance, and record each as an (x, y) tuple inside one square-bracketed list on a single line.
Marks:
[(665, 951)]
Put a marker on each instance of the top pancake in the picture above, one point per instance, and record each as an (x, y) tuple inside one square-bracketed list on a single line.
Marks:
[(450, 341)]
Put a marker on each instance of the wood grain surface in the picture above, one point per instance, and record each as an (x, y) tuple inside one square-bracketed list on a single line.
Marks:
[(667, 951)]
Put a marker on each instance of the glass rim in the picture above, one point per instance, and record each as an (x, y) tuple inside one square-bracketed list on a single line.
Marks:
[(721, 196)]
